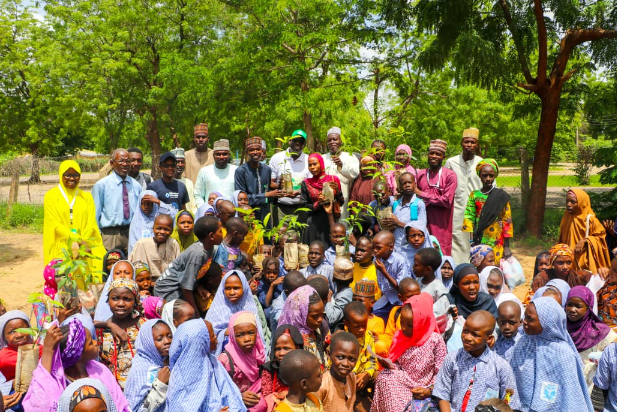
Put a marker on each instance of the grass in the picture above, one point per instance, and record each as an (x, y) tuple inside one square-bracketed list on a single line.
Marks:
[(23, 217), (553, 181)]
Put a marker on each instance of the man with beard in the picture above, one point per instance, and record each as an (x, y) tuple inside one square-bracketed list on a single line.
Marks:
[(218, 177), (136, 157), (180, 167), (436, 186), (254, 178), (200, 156), (464, 165), (341, 164)]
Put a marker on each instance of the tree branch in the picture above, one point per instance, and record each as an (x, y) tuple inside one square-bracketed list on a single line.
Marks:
[(542, 42), (521, 90), (289, 48), (520, 51), (531, 87), (319, 60)]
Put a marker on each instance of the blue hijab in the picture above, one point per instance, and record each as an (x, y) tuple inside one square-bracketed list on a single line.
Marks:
[(103, 312), (198, 381), (407, 250), (64, 403), (561, 285), (450, 260), (146, 363), (547, 367), (141, 224)]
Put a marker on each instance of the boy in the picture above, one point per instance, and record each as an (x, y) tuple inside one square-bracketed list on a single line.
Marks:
[(509, 321), (316, 263), (343, 275), (338, 233), (228, 254), (291, 282), (159, 250), (407, 288), (178, 280), (301, 372), (381, 193), (426, 262), (169, 190), (474, 373), (364, 292), (338, 386), (391, 269), (364, 268), (226, 210), (605, 378)]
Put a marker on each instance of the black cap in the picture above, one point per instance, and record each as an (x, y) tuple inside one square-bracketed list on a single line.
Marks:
[(165, 156)]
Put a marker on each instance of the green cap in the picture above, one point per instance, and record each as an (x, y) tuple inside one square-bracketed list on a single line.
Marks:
[(300, 133)]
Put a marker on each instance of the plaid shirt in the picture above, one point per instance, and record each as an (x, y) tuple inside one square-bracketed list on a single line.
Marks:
[(398, 268)]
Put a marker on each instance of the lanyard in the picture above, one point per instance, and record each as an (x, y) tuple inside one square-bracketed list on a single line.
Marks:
[(428, 178), (259, 179), (71, 204)]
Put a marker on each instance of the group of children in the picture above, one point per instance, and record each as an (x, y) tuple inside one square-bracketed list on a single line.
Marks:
[(199, 319)]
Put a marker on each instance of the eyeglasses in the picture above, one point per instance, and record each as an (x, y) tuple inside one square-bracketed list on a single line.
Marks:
[(74, 177), (123, 161)]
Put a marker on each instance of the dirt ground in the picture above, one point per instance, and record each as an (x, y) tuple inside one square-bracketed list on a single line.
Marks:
[(21, 268)]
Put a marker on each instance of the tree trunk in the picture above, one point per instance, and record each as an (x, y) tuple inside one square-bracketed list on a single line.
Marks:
[(308, 125), (152, 135), (542, 158), (35, 172), (524, 162)]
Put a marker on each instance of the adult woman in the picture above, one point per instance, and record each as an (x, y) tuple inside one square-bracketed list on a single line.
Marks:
[(362, 189), (70, 213), (488, 215), (465, 292), (125, 308), (561, 261), (322, 215), (583, 232), (403, 159), (183, 229)]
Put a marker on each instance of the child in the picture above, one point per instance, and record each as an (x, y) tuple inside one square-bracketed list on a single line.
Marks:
[(509, 322), (176, 312), (465, 292), (225, 211), (291, 282), (446, 271), (143, 278), (489, 375), (416, 238), (343, 275), (228, 254), (546, 364), (143, 219), (183, 231), (606, 377), (542, 263), (159, 250), (391, 269), (426, 263), (178, 280), (110, 259), (254, 238), (301, 372), (406, 289), (146, 386), (607, 298), (364, 292), (316, 262), (338, 385), (153, 307), (244, 355), (233, 296), (271, 284), (265, 250), (418, 352), (363, 267), (320, 284), (338, 233), (285, 339), (85, 395), (208, 281), (356, 323), (122, 269), (481, 256), (381, 193)]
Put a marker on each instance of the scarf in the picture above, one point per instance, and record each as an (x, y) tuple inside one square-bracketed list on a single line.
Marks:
[(102, 311), (483, 301), (248, 363), (273, 365), (478, 253), (49, 274), (315, 184), (64, 166), (234, 197), (407, 150), (112, 254), (559, 249), (142, 224), (6, 318), (555, 284), (424, 324), (153, 306), (407, 249), (75, 341), (450, 260), (133, 287), (167, 315), (84, 389), (296, 307), (434, 241), (184, 241), (203, 210), (590, 330)]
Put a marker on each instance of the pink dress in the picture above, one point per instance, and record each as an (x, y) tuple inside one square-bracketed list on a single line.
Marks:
[(418, 366)]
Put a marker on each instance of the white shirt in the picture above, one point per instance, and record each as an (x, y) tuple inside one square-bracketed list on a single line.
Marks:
[(282, 163), (212, 179)]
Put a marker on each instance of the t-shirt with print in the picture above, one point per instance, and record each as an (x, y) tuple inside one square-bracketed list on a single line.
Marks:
[(173, 193), (229, 257)]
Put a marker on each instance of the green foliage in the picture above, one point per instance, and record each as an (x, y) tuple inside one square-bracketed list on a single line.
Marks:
[(607, 157), (74, 263), (22, 217)]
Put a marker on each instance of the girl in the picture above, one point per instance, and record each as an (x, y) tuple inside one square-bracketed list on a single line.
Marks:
[(233, 295), (69, 354), (481, 256), (176, 312), (143, 220), (183, 229), (213, 196), (581, 230), (198, 382), (311, 193), (286, 338), (446, 271), (153, 307), (271, 285), (488, 216), (557, 289), (243, 356), (465, 292), (239, 198), (121, 269), (417, 237), (143, 278), (86, 395), (542, 263), (304, 309), (403, 155), (125, 308), (607, 298), (146, 386), (587, 331), (418, 351), (493, 283), (561, 260), (546, 365), (110, 260)]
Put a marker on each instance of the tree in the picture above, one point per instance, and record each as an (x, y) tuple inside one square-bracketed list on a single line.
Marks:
[(495, 44)]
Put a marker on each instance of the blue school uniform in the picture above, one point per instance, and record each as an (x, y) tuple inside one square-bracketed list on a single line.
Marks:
[(606, 376), (504, 347)]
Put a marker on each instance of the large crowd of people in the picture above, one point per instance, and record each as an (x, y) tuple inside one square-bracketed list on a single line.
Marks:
[(312, 282)]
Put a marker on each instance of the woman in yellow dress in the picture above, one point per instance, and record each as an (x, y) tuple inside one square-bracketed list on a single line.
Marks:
[(69, 212)]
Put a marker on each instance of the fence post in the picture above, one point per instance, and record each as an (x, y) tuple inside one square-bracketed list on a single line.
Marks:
[(13, 191), (524, 160)]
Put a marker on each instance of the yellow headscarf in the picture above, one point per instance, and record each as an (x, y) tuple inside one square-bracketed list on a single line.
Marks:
[(64, 166), (184, 241)]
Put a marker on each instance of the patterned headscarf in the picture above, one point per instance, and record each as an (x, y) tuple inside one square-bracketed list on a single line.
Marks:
[(102, 311), (49, 274), (560, 249), (487, 162), (84, 389), (478, 253), (131, 285), (296, 308), (75, 342), (140, 267)]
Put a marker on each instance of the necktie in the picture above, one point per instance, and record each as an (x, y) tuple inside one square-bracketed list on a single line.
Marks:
[(126, 208)]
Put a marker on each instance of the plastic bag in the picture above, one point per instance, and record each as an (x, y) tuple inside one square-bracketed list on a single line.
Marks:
[(290, 255), (303, 251), (88, 300), (595, 284), (512, 272)]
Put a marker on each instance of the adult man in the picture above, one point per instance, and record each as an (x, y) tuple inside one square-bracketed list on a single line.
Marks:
[(341, 164), (115, 198), (294, 162), (217, 177), (168, 189), (200, 156), (253, 178), (180, 167), (436, 186), (136, 157), (464, 165)]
